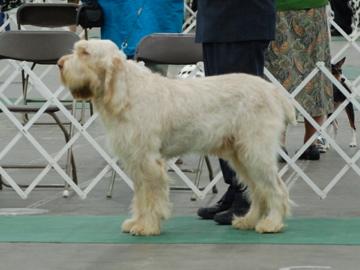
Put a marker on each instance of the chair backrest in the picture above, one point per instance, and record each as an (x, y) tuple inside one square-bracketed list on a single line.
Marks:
[(170, 49), (41, 47), (46, 15)]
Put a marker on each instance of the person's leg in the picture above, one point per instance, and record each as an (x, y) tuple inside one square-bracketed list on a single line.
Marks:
[(211, 55), (309, 129), (312, 153), (342, 16), (223, 58)]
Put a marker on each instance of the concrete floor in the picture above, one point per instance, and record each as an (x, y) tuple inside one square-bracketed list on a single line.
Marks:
[(342, 201)]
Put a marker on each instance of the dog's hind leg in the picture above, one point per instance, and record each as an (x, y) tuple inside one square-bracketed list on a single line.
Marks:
[(266, 191), (276, 205), (351, 116), (249, 221), (151, 199)]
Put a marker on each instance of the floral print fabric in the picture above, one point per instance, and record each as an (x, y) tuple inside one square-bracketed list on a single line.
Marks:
[(302, 40)]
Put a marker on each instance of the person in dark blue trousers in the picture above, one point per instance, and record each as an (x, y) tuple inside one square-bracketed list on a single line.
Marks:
[(234, 36)]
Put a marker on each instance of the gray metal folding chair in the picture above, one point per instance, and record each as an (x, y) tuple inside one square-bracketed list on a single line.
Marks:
[(49, 15), (46, 15), (171, 49), (40, 48)]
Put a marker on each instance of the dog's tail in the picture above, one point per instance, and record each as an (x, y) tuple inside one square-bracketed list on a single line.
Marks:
[(289, 110)]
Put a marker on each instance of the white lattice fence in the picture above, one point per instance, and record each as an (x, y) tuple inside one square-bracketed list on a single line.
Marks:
[(81, 130)]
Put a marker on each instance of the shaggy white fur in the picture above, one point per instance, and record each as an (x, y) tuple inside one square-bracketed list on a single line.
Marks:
[(150, 119)]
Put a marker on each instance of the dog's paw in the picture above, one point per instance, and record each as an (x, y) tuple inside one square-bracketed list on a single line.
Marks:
[(268, 226), (140, 230), (127, 225), (136, 227), (243, 223), (352, 145), (353, 142)]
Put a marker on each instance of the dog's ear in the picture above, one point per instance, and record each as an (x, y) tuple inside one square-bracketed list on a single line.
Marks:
[(340, 63), (114, 66), (82, 48)]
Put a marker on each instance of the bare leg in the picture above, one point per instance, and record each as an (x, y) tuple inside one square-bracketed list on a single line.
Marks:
[(309, 129)]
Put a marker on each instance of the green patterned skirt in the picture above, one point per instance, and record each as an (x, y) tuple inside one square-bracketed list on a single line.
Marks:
[(302, 40)]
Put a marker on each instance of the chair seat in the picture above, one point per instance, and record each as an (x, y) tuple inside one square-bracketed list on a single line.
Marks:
[(33, 108)]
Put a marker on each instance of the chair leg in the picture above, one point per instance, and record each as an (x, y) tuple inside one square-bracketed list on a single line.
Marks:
[(72, 159), (111, 185), (91, 108), (199, 171), (211, 173), (70, 163), (82, 114), (24, 81), (198, 175), (83, 107), (25, 86)]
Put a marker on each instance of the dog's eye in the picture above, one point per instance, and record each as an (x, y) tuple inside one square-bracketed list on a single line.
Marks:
[(82, 51), (85, 52)]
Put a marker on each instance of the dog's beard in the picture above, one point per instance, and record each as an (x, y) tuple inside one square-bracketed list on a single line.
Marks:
[(82, 93)]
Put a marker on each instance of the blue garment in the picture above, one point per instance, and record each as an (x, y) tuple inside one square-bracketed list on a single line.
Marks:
[(121, 22), (3, 18), (235, 20)]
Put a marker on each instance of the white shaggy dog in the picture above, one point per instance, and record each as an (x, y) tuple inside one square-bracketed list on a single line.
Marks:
[(150, 118)]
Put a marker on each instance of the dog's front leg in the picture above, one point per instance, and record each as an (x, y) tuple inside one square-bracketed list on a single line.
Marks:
[(151, 199)]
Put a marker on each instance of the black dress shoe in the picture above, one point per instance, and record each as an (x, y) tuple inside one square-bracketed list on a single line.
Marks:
[(211, 211), (222, 205), (239, 207), (226, 217)]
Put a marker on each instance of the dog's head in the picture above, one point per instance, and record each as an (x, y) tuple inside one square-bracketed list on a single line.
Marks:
[(336, 69), (89, 72)]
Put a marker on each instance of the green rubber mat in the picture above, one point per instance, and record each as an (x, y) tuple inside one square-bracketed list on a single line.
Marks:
[(177, 230)]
